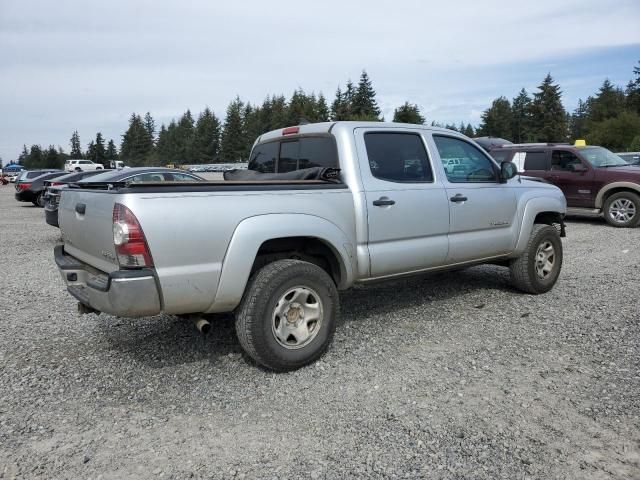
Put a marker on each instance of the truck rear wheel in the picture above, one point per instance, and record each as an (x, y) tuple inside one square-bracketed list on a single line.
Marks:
[(287, 316), (537, 269), (622, 209)]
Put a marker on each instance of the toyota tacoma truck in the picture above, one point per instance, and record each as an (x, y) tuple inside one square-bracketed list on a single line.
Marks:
[(275, 249)]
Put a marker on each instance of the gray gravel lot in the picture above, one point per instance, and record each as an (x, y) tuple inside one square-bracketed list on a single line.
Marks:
[(449, 376)]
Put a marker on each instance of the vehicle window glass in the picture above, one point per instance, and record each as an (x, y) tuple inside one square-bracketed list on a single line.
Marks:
[(85, 162), (264, 157), (179, 177), (563, 160), (145, 177), (535, 161), (398, 157), (317, 152), (601, 157), (470, 164), (288, 160)]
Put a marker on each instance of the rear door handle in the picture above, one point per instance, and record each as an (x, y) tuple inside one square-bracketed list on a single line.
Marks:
[(458, 198), (383, 201), (81, 208)]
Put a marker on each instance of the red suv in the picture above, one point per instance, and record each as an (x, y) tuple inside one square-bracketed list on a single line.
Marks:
[(594, 180)]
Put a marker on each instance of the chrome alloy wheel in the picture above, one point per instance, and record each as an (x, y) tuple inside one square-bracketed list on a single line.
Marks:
[(622, 210), (545, 259), (297, 317)]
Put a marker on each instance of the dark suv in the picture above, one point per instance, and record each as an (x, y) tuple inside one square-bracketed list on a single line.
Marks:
[(594, 180)]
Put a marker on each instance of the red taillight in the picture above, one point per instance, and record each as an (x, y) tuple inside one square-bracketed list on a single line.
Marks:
[(290, 130), (23, 186), (131, 245), (55, 184)]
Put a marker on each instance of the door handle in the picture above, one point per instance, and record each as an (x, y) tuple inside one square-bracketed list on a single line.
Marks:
[(458, 198), (81, 208), (384, 201)]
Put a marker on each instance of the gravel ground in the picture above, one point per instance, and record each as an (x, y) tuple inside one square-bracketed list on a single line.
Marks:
[(449, 376)]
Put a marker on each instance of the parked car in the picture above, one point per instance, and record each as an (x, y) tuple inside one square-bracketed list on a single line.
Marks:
[(594, 180), (632, 158), (34, 191), (143, 174), (52, 192), (276, 252), (26, 177), (52, 197), (75, 165)]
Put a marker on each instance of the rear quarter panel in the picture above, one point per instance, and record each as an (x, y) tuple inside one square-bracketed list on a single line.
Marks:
[(189, 235)]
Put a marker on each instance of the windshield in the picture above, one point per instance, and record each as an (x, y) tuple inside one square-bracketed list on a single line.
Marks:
[(601, 157)]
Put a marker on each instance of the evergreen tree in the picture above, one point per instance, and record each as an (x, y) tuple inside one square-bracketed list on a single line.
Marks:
[(232, 143), (301, 107), (337, 107), (497, 120), (251, 126), (52, 158), (35, 158), (76, 149), (633, 91), (112, 151), (548, 117), (150, 126), (100, 152), (578, 120), (183, 138), (608, 103), (521, 117), (91, 151), (136, 145), (408, 113), (322, 110), (206, 138), (24, 155), (469, 131), (364, 104)]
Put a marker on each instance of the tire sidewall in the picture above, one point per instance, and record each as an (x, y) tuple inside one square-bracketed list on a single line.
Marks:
[(548, 233), (628, 196), (302, 274)]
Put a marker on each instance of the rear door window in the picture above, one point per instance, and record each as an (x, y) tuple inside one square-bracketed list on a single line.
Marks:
[(535, 161), (398, 157)]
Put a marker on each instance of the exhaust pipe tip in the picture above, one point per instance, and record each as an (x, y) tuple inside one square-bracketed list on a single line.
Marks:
[(203, 325)]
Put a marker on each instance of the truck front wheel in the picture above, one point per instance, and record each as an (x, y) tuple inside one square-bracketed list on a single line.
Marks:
[(287, 316), (537, 269)]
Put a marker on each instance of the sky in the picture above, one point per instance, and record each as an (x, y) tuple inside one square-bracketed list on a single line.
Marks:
[(86, 65)]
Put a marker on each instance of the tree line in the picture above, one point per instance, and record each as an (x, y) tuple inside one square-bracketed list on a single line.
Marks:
[(610, 118)]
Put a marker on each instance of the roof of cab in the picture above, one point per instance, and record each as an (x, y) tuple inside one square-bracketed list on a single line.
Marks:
[(328, 127)]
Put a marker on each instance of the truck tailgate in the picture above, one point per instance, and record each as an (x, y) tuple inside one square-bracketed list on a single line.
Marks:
[(86, 223)]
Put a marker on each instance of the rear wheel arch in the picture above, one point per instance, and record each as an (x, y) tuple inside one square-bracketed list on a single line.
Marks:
[(309, 249), (260, 240)]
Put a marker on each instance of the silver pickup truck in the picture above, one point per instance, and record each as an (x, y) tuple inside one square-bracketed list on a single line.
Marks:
[(409, 199)]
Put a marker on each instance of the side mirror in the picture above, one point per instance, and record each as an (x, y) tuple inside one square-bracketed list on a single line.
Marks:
[(508, 170), (577, 167)]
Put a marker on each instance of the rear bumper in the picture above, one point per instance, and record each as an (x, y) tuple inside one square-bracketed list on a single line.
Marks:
[(124, 293), (24, 196)]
